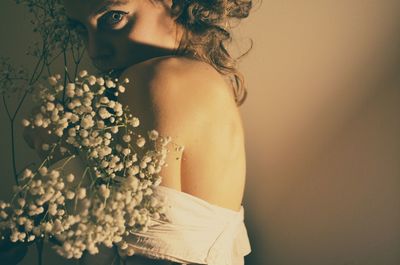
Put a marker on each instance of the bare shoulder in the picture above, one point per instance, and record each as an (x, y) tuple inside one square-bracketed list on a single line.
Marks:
[(191, 102), (180, 75), (182, 92)]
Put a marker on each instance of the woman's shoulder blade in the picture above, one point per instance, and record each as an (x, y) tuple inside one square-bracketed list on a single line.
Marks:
[(185, 96), (179, 80)]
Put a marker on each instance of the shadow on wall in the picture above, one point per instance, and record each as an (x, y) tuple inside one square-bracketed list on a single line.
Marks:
[(322, 126)]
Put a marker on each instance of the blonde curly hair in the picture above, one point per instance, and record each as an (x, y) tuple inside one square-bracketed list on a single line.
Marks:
[(207, 33)]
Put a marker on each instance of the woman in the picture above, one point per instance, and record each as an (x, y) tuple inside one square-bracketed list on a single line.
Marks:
[(185, 85)]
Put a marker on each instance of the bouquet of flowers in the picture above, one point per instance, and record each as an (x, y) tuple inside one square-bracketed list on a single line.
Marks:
[(114, 193), (97, 179)]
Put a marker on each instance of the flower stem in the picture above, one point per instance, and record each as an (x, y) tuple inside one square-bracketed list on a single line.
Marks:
[(11, 120), (14, 163), (39, 248)]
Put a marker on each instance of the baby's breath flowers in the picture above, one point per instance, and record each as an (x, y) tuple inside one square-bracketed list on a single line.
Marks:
[(111, 195)]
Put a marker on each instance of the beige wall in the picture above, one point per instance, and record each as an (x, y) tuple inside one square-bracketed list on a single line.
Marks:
[(322, 125), (323, 132)]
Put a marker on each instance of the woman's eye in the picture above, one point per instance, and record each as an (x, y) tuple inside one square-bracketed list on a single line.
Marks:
[(112, 20)]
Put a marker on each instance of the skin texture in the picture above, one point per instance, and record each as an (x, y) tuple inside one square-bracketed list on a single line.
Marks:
[(179, 97), (189, 101)]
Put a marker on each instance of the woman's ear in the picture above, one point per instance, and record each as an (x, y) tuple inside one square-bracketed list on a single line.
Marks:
[(175, 9), (165, 3), (170, 3)]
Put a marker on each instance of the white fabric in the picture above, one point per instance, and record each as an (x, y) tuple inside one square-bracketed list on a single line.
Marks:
[(196, 232)]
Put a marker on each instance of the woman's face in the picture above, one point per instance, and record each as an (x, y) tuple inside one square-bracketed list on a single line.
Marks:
[(119, 33)]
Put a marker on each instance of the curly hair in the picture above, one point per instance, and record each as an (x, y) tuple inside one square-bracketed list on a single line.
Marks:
[(206, 24)]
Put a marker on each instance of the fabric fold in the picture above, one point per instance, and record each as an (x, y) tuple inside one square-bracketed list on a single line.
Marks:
[(196, 232)]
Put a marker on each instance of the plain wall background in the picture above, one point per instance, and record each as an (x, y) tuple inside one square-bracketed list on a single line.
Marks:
[(322, 126)]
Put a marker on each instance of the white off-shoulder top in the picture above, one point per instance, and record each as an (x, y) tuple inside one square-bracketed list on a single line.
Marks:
[(196, 232)]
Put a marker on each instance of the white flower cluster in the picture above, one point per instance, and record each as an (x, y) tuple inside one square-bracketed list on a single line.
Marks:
[(111, 196)]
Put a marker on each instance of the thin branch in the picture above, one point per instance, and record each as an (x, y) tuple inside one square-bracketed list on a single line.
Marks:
[(55, 57), (20, 104), (37, 66), (6, 107), (65, 75), (11, 120), (14, 162), (79, 61)]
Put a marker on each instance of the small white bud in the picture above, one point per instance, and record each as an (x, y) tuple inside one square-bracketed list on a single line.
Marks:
[(110, 84), (43, 171), (126, 138), (153, 135), (45, 147), (104, 191), (83, 73), (140, 142), (25, 123), (134, 122), (92, 80), (81, 194), (52, 81), (70, 177), (121, 89)]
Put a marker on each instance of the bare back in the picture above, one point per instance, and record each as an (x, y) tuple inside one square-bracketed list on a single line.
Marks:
[(191, 102)]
